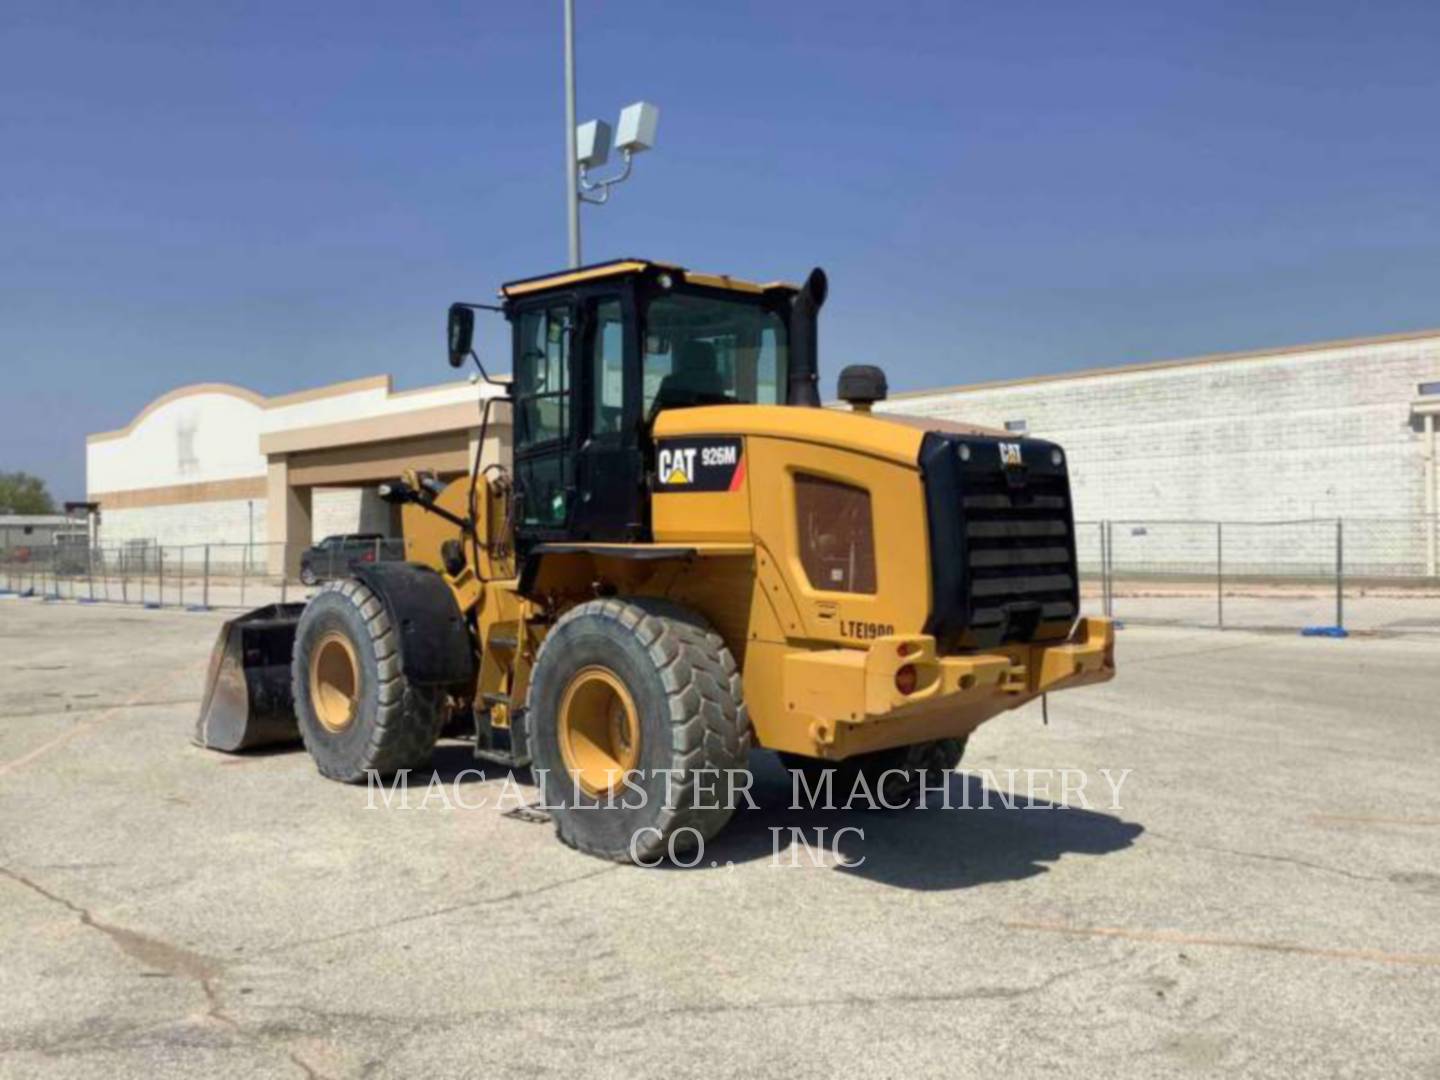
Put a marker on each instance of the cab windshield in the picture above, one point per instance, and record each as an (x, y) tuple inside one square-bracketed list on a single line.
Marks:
[(704, 350)]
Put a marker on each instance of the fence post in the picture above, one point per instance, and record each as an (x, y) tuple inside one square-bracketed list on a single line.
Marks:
[(1340, 573), (1104, 587), (1220, 573), (205, 589), (160, 576), (90, 570), (182, 575), (244, 569), (1110, 569)]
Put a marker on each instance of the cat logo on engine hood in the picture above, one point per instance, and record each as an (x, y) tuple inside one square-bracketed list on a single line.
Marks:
[(713, 463)]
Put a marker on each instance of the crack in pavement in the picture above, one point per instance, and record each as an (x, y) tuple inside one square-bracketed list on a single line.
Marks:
[(161, 956), (517, 894), (1238, 853), (305, 1067), (152, 952), (1176, 937), (73, 710), (99, 718)]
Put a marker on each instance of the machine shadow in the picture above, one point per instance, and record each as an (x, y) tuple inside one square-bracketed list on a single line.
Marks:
[(928, 849)]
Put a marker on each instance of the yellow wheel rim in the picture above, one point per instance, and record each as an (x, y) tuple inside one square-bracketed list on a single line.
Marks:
[(334, 681), (599, 730)]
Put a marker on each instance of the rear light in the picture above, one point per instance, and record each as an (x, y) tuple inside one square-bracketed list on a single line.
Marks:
[(906, 678), (367, 556)]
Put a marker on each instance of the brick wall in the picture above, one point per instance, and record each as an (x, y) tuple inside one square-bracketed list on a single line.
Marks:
[(1309, 433)]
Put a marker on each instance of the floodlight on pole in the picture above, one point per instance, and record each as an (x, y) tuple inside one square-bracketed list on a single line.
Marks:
[(634, 134)]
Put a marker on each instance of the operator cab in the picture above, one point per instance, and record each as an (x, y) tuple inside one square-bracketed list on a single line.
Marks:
[(599, 352)]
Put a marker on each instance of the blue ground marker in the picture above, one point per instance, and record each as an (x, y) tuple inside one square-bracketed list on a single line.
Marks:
[(1325, 631)]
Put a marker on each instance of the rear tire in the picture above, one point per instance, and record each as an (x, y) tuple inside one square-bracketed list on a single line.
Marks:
[(622, 691), (357, 712), (892, 777)]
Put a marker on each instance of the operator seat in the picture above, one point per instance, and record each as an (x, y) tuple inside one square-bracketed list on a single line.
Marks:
[(694, 380)]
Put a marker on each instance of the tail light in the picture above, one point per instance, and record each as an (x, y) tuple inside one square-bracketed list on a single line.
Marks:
[(905, 679)]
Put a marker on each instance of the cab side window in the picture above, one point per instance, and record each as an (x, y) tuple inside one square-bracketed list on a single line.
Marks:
[(607, 370), (542, 414), (543, 375)]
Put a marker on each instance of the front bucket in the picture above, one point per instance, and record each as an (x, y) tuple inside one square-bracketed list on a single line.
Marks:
[(247, 699)]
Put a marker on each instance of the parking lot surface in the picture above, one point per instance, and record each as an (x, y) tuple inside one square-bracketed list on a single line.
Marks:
[(1263, 898)]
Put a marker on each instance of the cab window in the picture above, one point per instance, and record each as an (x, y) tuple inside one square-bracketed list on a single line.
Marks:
[(607, 360), (702, 350), (542, 375)]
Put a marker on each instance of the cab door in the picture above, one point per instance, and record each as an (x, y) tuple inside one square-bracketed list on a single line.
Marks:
[(544, 413), (609, 501)]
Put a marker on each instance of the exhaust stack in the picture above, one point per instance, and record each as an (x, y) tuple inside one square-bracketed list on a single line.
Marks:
[(804, 382)]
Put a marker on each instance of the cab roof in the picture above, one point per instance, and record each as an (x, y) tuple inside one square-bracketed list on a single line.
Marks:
[(623, 267)]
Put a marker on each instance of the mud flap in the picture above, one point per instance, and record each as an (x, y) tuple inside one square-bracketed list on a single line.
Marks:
[(247, 700)]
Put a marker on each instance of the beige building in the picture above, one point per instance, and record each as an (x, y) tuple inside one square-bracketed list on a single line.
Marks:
[(218, 464), (1305, 433)]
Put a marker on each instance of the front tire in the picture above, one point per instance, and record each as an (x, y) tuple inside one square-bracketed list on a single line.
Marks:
[(307, 576), (357, 712), (637, 722)]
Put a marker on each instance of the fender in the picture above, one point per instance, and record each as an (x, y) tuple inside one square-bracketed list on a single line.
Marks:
[(434, 640), (534, 559)]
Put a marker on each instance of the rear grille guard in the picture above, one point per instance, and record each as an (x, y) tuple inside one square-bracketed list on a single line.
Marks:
[(1002, 543)]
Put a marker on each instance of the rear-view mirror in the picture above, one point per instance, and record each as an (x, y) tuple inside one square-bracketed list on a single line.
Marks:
[(460, 333)]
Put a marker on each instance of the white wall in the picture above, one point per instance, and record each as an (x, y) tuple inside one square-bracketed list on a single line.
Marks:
[(1310, 433), (1316, 433), (192, 439), (214, 435), (227, 522)]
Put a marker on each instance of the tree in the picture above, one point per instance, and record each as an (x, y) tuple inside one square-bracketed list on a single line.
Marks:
[(21, 493)]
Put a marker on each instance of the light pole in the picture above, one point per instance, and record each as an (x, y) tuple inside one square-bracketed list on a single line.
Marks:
[(572, 195), (637, 132)]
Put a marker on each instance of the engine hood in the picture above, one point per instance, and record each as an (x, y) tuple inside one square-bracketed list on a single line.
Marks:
[(891, 436)]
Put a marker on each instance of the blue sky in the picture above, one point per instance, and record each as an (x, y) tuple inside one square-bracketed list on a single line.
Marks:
[(287, 194)]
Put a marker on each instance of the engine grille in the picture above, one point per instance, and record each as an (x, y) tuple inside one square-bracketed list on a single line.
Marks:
[(1020, 553), (1002, 542)]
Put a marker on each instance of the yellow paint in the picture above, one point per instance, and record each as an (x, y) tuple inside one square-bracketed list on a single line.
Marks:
[(833, 429), (631, 266), (557, 281)]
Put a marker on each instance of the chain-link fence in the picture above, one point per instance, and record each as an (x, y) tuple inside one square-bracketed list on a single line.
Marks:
[(196, 576), (1360, 575), (1367, 575)]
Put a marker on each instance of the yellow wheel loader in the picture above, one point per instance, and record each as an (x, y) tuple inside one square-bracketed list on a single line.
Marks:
[(685, 558)]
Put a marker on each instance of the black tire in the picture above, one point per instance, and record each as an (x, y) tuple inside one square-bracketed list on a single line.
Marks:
[(685, 687), (893, 777), (394, 724), (307, 576)]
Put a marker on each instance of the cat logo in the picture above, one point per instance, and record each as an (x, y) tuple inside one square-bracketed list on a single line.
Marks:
[(698, 464), (1010, 454), (677, 466)]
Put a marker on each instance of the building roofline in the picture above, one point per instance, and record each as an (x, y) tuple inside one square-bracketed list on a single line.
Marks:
[(179, 392), (12, 520), (383, 383), (1161, 365)]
